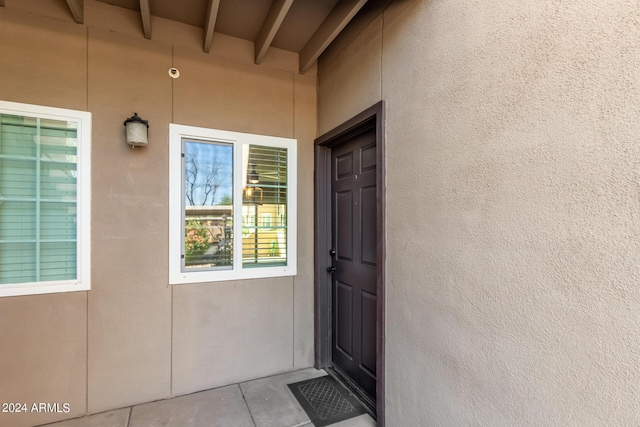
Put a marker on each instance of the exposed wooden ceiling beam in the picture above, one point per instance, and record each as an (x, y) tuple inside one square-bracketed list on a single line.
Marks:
[(270, 27), (339, 17), (75, 6), (210, 24), (145, 12)]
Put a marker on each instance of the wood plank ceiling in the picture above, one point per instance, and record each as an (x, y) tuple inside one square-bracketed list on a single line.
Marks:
[(306, 27)]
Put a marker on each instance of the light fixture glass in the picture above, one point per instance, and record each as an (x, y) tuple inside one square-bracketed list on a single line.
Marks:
[(137, 131), (254, 178)]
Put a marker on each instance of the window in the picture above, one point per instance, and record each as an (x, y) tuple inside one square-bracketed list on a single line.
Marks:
[(44, 199), (225, 189)]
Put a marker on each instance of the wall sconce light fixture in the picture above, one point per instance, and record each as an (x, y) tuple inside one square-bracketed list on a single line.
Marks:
[(254, 178), (253, 196), (137, 131)]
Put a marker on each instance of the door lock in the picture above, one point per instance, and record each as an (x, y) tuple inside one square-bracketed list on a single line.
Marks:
[(331, 269), (332, 252)]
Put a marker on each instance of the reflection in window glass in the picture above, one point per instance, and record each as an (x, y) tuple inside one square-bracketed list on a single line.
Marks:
[(264, 197), (208, 205), (232, 205)]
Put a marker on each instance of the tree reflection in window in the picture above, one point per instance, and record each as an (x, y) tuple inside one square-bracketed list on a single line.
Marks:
[(208, 203)]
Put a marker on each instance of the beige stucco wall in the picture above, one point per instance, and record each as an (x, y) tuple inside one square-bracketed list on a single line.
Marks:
[(513, 208), (133, 338)]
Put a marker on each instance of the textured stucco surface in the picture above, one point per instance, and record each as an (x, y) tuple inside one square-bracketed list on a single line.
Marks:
[(513, 218), (32, 351), (304, 129), (130, 302), (364, 85), (133, 338), (245, 335)]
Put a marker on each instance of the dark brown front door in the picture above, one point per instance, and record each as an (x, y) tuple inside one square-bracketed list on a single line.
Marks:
[(354, 305)]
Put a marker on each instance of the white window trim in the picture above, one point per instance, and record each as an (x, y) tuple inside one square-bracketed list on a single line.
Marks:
[(83, 257), (176, 204)]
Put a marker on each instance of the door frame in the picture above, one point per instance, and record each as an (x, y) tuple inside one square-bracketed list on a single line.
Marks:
[(372, 117)]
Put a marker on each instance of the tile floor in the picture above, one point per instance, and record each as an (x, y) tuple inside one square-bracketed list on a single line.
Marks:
[(265, 402)]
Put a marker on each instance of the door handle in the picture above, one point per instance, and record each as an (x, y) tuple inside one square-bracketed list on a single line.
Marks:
[(331, 269)]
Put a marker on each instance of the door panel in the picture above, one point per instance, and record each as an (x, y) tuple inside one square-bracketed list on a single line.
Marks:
[(368, 235), (368, 156), (353, 187), (344, 332), (344, 214), (368, 337), (344, 166)]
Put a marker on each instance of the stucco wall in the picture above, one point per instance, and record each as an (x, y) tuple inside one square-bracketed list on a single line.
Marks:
[(133, 338), (513, 208)]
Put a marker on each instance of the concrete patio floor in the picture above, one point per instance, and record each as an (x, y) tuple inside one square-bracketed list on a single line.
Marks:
[(265, 402)]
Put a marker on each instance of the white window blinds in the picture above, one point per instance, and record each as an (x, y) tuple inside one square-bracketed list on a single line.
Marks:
[(265, 196), (38, 199)]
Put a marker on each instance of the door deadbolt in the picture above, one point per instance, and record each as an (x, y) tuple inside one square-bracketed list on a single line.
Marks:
[(332, 252)]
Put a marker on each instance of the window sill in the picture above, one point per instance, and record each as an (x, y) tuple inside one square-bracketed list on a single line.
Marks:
[(23, 289), (179, 278)]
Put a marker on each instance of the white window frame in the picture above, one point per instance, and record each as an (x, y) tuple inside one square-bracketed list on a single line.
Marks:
[(83, 201), (176, 205)]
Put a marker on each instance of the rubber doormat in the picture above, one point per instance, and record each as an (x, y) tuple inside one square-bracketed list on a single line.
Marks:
[(326, 401)]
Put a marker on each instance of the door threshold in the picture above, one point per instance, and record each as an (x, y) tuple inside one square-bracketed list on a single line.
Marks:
[(367, 402)]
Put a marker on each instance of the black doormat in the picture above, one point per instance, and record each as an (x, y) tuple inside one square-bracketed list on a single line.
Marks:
[(326, 401)]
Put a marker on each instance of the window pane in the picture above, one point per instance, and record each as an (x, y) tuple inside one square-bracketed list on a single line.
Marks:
[(264, 241), (38, 209), (18, 179), (58, 260), (18, 221), (208, 205), (17, 262), (58, 222)]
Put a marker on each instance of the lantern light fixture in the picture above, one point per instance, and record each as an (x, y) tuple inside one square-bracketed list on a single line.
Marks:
[(137, 131), (254, 178)]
